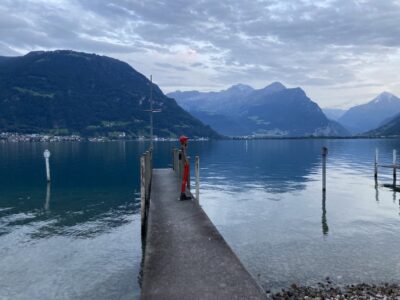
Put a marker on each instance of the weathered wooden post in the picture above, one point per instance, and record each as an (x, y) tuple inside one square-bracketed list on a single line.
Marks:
[(325, 227), (181, 164), (173, 159), (188, 180), (197, 175), (376, 164), (394, 166), (324, 155), (151, 164), (148, 176), (46, 155), (175, 162), (143, 191)]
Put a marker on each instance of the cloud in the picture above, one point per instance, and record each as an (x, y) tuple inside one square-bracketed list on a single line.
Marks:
[(173, 67), (319, 45)]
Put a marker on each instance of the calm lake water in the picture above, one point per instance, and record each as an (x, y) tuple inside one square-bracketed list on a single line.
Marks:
[(80, 237)]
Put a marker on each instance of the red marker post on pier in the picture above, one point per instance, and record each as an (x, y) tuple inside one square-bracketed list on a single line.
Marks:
[(184, 158)]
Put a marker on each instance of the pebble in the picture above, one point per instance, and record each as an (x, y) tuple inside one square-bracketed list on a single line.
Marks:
[(330, 291)]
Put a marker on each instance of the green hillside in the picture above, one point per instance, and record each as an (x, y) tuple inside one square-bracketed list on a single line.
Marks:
[(66, 92)]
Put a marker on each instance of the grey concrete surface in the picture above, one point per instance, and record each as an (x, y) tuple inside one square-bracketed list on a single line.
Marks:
[(186, 257)]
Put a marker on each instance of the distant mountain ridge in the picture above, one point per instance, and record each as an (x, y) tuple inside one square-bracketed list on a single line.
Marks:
[(271, 111), (67, 92), (389, 128), (366, 117), (334, 113), (213, 102)]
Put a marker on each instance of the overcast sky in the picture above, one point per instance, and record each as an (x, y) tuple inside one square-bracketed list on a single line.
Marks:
[(341, 52)]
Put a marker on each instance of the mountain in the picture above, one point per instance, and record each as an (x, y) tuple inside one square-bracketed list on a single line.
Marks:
[(226, 125), (67, 92), (271, 111), (366, 117), (333, 113), (290, 112), (213, 102), (389, 128)]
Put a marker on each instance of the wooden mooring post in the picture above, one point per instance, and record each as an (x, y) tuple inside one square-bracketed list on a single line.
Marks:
[(188, 179), (325, 227), (324, 156), (146, 174), (181, 164), (175, 160), (197, 176)]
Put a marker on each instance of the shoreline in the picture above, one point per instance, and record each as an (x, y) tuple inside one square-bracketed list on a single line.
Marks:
[(49, 138), (330, 290)]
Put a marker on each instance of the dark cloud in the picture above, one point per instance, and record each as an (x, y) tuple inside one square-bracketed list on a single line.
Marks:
[(319, 45)]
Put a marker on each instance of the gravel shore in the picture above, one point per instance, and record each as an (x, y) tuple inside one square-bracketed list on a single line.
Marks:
[(329, 290)]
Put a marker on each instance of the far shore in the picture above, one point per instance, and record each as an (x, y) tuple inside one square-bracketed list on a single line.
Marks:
[(44, 137)]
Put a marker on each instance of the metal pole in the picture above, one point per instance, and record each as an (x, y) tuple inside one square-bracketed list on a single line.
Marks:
[(394, 166), (197, 175), (151, 111), (46, 155), (324, 155), (376, 163)]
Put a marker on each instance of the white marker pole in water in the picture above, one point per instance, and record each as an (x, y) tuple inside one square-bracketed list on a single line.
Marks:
[(46, 155), (324, 155)]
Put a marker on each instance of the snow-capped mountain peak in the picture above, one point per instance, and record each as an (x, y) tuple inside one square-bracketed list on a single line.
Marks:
[(385, 97)]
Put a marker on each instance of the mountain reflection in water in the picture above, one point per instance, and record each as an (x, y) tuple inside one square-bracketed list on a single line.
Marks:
[(79, 237)]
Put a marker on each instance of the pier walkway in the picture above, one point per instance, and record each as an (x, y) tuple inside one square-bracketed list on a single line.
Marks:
[(185, 256)]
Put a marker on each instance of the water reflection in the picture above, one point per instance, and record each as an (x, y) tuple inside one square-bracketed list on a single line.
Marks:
[(275, 165), (47, 202), (325, 227), (239, 187), (94, 188), (80, 232), (264, 196), (376, 191)]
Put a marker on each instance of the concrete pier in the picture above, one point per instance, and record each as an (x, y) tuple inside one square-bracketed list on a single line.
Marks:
[(185, 256)]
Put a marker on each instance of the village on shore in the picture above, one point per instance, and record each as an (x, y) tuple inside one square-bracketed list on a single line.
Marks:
[(37, 137)]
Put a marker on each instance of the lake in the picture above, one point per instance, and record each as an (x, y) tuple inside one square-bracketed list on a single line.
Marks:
[(80, 236)]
